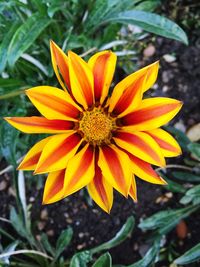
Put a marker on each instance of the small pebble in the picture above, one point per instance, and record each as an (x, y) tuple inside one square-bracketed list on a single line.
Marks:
[(169, 58), (41, 225), (149, 51), (44, 214), (3, 185), (50, 232)]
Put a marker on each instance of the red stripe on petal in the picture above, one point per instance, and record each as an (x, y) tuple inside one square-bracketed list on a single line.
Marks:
[(133, 139), (62, 64), (147, 114), (83, 166), (163, 144), (57, 186), (56, 104), (114, 165), (146, 167), (127, 97), (99, 73), (64, 148), (30, 162)]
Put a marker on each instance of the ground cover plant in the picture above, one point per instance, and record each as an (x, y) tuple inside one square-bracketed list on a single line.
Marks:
[(162, 228)]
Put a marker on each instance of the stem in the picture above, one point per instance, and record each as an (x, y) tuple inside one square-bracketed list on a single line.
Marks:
[(88, 52), (174, 166), (25, 251)]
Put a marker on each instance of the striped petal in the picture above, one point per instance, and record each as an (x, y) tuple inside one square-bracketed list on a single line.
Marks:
[(141, 145), (53, 190), (151, 75), (80, 170), (32, 157), (127, 95), (168, 145), (133, 189), (82, 81), (103, 67), (115, 167), (60, 65), (152, 113), (144, 171), (57, 152), (54, 103), (40, 125), (100, 190)]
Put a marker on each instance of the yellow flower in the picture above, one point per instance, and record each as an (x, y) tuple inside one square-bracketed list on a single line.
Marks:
[(99, 141)]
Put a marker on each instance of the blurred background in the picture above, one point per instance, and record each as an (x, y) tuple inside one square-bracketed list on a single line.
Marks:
[(162, 229)]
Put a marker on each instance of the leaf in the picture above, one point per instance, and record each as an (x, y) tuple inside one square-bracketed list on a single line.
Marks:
[(47, 246), (195, 149), (8, 85), (4, 46), (149, 22), (63, 241), (103, 261), (186, 176), (165, 221), (17, 223), (182, 139), (8, 141), (190, 256), (10, 248), (148, 5), (123, 233), (81, 259), (149, 257), (25, 36), (173, 186), (192, 195)]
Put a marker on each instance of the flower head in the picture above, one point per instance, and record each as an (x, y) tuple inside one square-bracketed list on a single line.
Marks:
[(98, 141)]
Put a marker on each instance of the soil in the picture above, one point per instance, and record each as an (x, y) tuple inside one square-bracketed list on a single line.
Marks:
[(179, 79)]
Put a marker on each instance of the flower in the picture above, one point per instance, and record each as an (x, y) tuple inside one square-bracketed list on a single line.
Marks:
[(98, 141)]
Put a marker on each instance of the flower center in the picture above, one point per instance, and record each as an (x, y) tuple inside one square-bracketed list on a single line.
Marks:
[(96, 126)]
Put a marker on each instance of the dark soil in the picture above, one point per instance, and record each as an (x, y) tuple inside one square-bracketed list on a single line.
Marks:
[(179, 79)]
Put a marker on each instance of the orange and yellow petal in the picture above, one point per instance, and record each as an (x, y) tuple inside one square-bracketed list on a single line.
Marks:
[(100, 190), (57, 152), (103, 68), (133, 189), (151, 75), (115, 167), (141, 145), (53, 190), (127, 95), (32, 157), (82, 80), (152, 113), (40, 125), (168, 145), (60, 65), (54, 103), (80, 170), (144, 171)]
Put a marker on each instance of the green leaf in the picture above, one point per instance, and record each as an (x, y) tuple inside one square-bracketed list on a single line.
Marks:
[(165, 221), (148, 5), (150, 22), (173, 186), (8, 85), (4, 46), (8, 141), (81, 259), (123, 233), (149, 257), (192, 195), (25, 36), (182, 139), (103, 261), (47, 246), (190, 256), (195, 149), (10, 248), (186, 176), (63, 241), (17, 223)]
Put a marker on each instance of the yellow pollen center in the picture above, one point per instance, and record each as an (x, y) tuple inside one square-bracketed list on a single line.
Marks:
[(96, 126)]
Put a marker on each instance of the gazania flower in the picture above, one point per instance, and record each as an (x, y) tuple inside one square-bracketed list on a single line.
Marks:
[(98, 141)]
